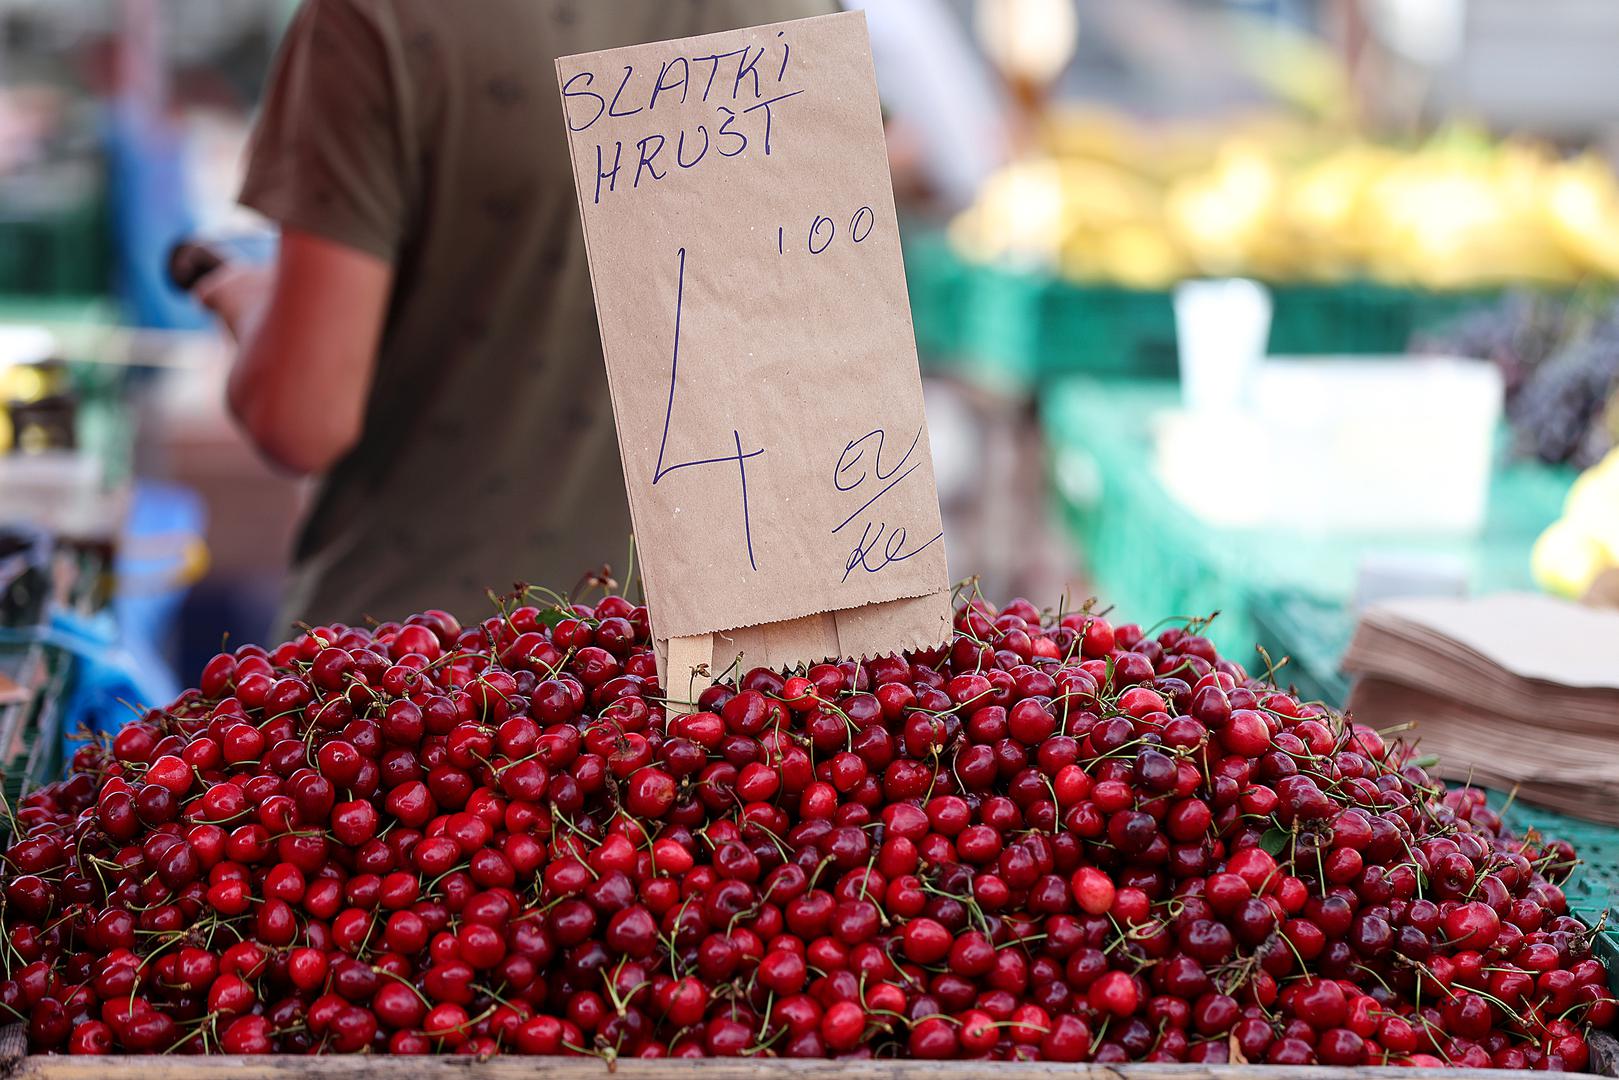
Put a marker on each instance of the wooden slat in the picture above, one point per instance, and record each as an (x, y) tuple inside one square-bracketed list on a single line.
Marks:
[(371, 1067), (14, 1066), (688, 668)]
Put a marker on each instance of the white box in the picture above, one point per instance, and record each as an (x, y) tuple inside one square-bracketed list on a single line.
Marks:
[(1359, 446)]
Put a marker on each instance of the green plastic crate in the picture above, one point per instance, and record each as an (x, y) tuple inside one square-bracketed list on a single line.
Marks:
[(1012, 328), (1311, 634), (57, 254), (1359, 317), (1154, 558), (30, 731), (1015, 328), (938, 282), (1594, 885), (1024, 328)]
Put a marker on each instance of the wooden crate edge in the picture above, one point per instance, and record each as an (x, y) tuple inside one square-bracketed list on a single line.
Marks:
[(17, 1064), (377, 1067)]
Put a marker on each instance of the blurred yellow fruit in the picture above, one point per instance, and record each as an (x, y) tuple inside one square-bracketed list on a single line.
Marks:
[(1224, 217), (1269, 197), (1582, 204), (1142, 257), (1565, 561), (1584, 542)]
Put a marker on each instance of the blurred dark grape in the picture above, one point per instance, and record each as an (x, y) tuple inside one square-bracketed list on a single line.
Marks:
[(1518, 332), (1559, 361), (1559, 415)]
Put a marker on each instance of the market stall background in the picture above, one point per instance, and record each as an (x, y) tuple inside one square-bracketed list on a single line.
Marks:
[(1399, 186)]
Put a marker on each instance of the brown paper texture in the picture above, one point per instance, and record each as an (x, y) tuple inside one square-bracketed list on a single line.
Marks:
[(1526, 635), (745, 256), (1533, 753), (858, 633)]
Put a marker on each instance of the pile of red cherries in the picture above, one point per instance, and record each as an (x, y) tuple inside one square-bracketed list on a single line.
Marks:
[(1053, 838)]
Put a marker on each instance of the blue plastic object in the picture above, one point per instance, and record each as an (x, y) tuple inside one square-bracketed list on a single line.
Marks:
[(150, 211), (166, 524), (107, 685)]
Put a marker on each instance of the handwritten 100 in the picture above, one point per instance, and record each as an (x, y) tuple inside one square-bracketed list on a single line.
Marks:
[(880, 543), (823, 230)]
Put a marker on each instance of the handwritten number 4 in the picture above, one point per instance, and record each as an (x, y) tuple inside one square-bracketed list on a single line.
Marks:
[(739, 457)]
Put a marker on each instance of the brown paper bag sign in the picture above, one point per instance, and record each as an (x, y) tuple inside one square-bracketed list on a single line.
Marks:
[(744, 252)]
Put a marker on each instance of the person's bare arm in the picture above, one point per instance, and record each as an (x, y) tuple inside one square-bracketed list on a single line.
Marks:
[(307, 331)]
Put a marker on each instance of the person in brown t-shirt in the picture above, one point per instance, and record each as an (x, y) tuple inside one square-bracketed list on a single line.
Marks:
[(426, 339)]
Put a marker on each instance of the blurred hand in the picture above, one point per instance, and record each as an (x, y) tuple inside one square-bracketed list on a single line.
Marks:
[(235, 292)]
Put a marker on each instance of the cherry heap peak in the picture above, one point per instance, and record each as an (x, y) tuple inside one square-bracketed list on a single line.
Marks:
[(1055, 838)]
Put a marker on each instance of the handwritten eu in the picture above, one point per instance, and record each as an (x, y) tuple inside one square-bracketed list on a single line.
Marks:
[(882, 543)]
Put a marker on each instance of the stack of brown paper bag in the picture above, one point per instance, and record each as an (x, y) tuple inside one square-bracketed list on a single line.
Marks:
[(1513, 691)]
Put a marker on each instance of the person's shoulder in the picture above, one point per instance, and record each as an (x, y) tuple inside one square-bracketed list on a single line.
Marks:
[(467, 18), (365, 27), (375, 14)]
